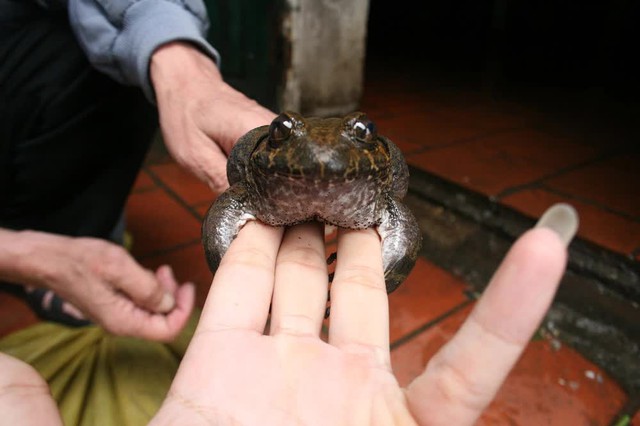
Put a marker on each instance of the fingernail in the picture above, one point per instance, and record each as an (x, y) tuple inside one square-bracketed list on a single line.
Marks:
[(562, 219), (167, 303)]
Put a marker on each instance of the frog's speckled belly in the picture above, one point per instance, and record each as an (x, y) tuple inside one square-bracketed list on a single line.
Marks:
[(345, 204)]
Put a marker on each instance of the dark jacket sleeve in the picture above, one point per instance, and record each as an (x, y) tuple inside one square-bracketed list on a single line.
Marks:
[(119, 36)]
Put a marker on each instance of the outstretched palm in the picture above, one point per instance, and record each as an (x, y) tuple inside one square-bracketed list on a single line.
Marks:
[(234, 373)]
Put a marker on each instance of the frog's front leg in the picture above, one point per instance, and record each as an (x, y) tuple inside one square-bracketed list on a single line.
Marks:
[(401, 240), (223, 222)]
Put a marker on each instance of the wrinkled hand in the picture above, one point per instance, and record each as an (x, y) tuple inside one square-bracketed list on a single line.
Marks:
[(201, 116), (234, 374), (108, 285)]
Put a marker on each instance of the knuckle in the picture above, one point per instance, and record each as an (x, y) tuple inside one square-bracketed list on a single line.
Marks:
[(305, 258), (111, 260), (363, 276), (217, 184), (296, 325), (250, 256), (114, 254)]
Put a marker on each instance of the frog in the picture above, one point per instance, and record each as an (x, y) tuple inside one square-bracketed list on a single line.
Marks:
[(336, 170)]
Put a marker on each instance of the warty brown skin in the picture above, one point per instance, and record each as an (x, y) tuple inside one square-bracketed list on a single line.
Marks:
[(335, 170)]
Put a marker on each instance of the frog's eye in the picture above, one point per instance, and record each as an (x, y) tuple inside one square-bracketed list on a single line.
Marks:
[(364, 130), (280, 128)]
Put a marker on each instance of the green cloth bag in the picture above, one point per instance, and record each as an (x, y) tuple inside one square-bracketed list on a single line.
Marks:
[(98, 378)]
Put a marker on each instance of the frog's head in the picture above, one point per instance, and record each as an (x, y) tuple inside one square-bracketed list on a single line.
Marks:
[(321, 151)]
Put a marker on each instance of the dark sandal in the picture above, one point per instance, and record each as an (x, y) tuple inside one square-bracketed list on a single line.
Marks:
[(51, 307)]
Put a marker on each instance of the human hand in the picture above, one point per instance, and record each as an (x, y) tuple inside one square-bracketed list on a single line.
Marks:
[(234, 374), (25, 398), (106, 284), (201, 116)]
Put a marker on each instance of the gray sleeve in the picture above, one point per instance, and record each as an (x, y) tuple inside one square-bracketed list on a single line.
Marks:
[(119, 36)]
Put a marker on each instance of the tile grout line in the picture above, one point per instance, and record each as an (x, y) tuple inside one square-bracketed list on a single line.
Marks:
[(413, 334), (203, 203), (610, 268), (562, 170), (159, 184), (172, 193), (456, 142), (144, 190), (591, 203), (542, 186)]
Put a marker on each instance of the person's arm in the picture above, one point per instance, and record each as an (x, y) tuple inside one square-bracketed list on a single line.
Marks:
[(160, 45), (101, 279), (201, 116), (120, 36)]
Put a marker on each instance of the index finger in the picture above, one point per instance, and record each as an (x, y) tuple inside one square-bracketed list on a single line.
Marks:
[(242, 287)]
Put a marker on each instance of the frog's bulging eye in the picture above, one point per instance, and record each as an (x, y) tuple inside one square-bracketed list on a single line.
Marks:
[(364, 130), (280, 128)]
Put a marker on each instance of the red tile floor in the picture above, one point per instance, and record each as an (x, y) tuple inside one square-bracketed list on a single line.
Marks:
[(527, 152), (513, 152)]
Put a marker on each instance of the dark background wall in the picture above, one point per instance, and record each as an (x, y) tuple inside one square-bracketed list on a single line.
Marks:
[(551, 43)]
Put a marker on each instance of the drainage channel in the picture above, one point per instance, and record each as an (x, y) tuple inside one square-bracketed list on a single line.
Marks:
[(597, 307)]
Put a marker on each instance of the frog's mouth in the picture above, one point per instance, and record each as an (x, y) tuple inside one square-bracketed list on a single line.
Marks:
[(317, 176), (320, 169)]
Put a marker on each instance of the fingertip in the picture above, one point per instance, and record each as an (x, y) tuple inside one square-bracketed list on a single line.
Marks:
[(166, 277), (165, 274), (541, 245), (186, 295), (165, 270), (562, 219), (547, 242), (183, 298), (178, 318), (166, 304)]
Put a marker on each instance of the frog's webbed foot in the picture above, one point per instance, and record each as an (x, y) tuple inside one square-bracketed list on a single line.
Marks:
[(223, 221), (401, 240)]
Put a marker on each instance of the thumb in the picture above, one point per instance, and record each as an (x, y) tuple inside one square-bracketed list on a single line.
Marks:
[(209, 164), (145, 289), (215, 173)]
